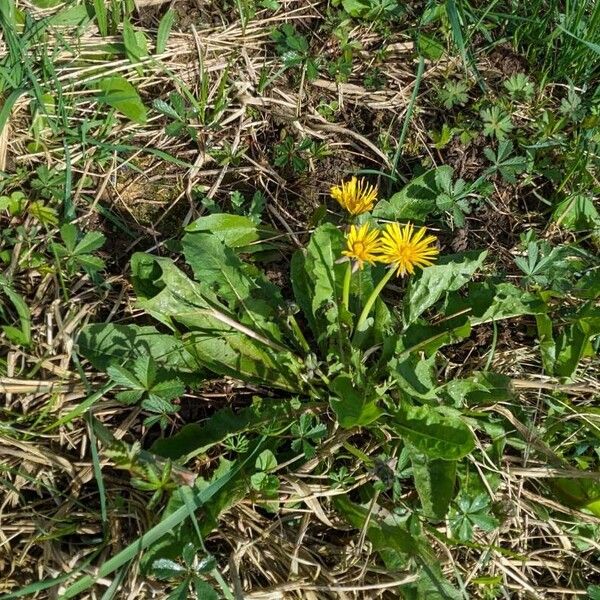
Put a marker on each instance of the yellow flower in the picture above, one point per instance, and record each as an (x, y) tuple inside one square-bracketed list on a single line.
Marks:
[(361, 244), (355, 196), (405, 250)]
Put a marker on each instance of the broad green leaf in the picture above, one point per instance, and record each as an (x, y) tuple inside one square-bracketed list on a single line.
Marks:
[(68, 233), (480, 388), (546, 342), (449, 274), (171, 297), (433, 433), (485, 302), (323, 251), (574, 342), (117, 92), (217, 266), (303, 289), (105, 344), (101, 16), (578, 213), (235, 231), (135, 42), (578, 493), (266, 461), (236, 355), (434, 480), (353, 407), (417, 200)]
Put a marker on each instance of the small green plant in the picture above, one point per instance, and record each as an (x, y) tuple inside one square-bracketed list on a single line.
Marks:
[(454, 93), (76, 251), (503, 163), (468, 513), (181, 115), (187, 575), (297, 155), (294, 50), (496, 123), (519, 87), (152, 387), (372, 10)]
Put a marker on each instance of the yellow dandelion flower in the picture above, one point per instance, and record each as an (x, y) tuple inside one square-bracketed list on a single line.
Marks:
[(362, 244), (404, 249), (355, 196)]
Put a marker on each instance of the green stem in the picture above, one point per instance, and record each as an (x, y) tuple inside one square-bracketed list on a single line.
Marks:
[(346, 288), (369, 305)]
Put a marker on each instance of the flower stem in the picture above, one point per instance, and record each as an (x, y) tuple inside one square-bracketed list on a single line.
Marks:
[(374, 295), (346, 288)]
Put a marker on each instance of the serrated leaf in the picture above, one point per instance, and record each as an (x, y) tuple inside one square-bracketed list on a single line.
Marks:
[(164, 568), (91, 241), (238, 356), (235, 231), (123, 377), (417, 200), (266, 461), (68, 233)]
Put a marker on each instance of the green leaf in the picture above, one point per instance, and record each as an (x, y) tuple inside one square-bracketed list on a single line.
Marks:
[(101, 16), (164, 568), (91, 241), (134, 41), (449, 274), (433, 433), (434, 480), (574, 342), (105, 344), (68, 233), (266, 461), (217, 266), (417, 200), (21, 335), (236, 355), (235, 231), (323, 250), (577, 213), (123, 377), (353, 407), (303, 289), (117, 92), (164, 30), (43, 213), (204, 591)]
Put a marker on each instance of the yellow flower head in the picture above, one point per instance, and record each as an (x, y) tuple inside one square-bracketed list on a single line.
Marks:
[(361, 244), (355, 196), (404, 249)]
